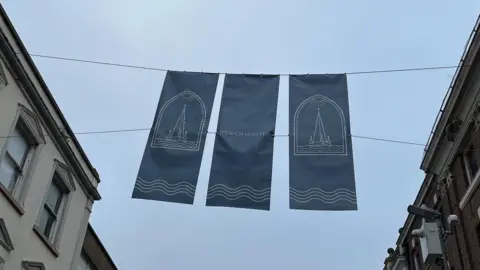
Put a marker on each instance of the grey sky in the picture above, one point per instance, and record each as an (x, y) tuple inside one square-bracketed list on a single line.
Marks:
[(249, 36)]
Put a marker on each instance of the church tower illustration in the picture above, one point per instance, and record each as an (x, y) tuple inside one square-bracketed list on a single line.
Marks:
[(319, 131), (314, 137), (179, 133), (180, 123)]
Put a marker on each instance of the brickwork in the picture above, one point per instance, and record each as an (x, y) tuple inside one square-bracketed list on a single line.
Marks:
[(454, 186)]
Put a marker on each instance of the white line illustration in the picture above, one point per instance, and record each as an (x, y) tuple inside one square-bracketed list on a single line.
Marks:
[(165, 187), (178, 136), (319, 143), (244, 191), (328, 197)]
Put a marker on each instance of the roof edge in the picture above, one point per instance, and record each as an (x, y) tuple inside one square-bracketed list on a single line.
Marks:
[(432, 149), (102, 247), (449, 100), (92, 191)]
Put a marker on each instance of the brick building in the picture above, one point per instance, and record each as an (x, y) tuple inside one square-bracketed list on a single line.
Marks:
[(452, 176)]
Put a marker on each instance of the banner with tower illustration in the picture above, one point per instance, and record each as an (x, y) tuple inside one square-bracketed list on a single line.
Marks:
[(241, 172), (321, 161), (171, 161)]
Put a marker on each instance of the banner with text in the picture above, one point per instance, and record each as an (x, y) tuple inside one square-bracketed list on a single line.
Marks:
[(171, 161), (321, 158), (241, 173)]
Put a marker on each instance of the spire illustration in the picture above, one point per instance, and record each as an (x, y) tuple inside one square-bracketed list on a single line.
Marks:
[(180, 123), (179, 133), (319, 137), (315, 137)]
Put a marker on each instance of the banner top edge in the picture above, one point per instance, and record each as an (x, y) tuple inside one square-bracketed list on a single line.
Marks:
[(259, 74)]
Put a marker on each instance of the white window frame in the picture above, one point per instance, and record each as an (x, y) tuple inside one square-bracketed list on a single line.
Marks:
[(6, 244), (63, 177), (57, 216), (29, 125), (22, 169), (466, 165), (473, 180), (3, 77)]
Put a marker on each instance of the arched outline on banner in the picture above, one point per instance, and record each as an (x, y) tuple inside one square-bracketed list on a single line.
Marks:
[(343, 123), (156, 136)]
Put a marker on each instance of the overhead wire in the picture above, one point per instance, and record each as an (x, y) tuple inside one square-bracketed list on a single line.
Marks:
[(86, 61), (211, 132)]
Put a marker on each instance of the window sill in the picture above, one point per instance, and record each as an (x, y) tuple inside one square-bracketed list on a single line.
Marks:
[(470, 190), (6, 247), (17, 206), (46, 241)]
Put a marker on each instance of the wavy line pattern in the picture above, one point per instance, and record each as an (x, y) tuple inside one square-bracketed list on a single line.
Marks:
[(235, 193), (165, 187), (329, 197), (320, 149)]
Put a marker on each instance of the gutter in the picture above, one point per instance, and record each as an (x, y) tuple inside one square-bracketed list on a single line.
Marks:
[(461, 73), (439, 125), (46, 116)]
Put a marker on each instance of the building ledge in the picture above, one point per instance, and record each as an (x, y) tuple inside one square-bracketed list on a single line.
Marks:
[(437, 157), (53, 249), (463, 72)]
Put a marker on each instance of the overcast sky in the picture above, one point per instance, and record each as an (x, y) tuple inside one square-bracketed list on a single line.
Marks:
[(249, 36)]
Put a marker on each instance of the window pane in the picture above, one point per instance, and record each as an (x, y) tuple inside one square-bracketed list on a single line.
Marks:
[(478, 233), (54, 197), (17, 147), (472, 161), (8, 173), (45, 222)]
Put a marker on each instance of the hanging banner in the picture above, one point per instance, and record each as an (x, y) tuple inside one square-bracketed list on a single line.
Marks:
[(321, 161), (171, 161), (243, 152)]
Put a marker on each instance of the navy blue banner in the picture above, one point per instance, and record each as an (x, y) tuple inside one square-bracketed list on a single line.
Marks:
[(321, 160), (241, 173), (171, 161)]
